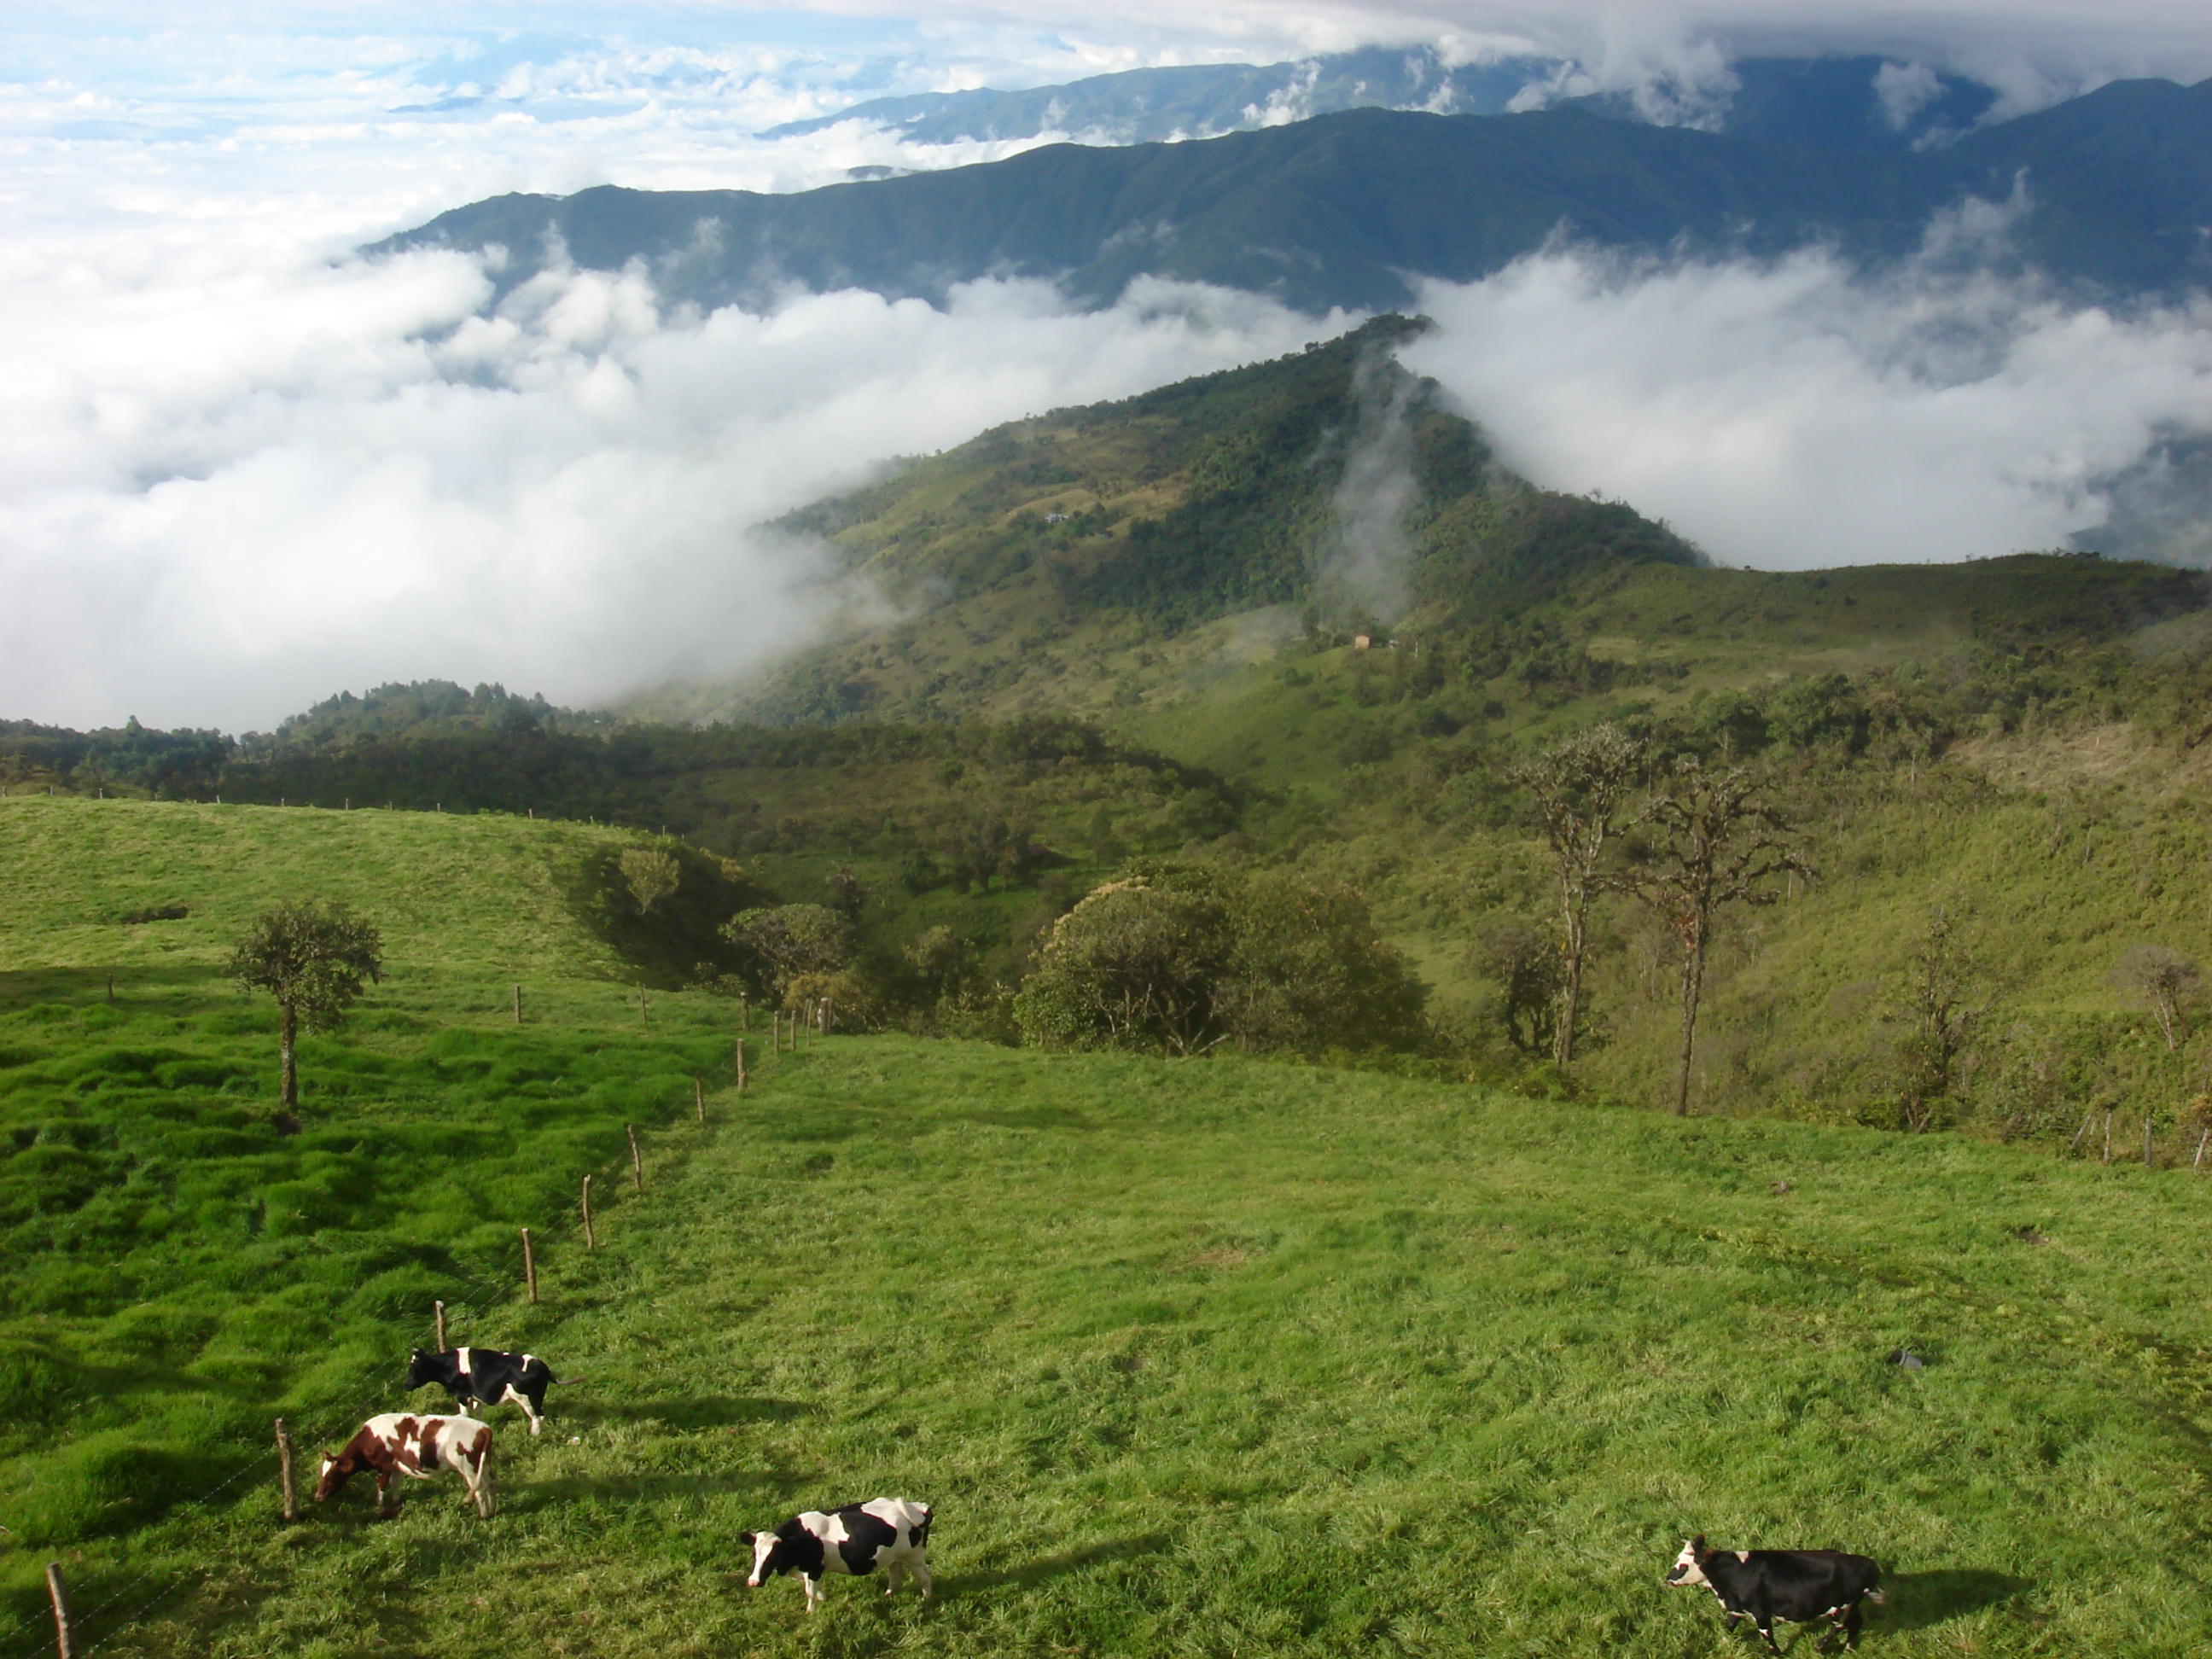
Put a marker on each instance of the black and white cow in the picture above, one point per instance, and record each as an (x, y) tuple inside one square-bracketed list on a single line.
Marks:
[(1799, 1585), (486, 1377), (891, 1530)]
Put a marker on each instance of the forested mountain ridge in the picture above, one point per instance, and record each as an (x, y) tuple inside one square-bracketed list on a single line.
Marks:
[(1835, 102), (1349, 210), (1061, 561)]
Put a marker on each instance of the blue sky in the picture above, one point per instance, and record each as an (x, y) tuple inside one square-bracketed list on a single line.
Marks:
[(241, 469)]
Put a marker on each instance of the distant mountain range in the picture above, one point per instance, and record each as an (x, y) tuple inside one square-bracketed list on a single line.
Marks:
[(2112, 195), (1840, 103)]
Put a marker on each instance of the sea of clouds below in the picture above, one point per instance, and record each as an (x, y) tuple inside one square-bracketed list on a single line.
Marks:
[(240, 469)]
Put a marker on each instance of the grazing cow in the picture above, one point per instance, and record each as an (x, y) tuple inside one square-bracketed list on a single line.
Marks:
[(399, 1442), (1799, 1585), (891, 1530), (487, 1378)]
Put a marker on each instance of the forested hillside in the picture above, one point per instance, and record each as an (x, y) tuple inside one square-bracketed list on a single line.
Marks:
[(1348, 209), (1272, 663)]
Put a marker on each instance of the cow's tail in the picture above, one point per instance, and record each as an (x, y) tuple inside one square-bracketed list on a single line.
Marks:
[(1878, 1597), (549, 1377)]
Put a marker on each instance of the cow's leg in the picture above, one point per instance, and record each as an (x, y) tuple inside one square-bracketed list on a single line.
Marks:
[(920, 1568), (1852, 1628), (529, 1408), (894, 1570), (813, 1587), (480, 1487), (387, 1503)]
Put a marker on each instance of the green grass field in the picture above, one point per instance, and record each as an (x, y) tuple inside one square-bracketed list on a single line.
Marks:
[(1217, 1357)]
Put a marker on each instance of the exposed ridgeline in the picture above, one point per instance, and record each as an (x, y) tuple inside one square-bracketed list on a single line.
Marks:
[(1842, 103), (1047, 562), (1349, 210)]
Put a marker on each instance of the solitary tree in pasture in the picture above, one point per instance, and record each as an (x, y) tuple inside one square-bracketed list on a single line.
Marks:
[(1717, 840), (2165, 983), (1582, 784), (652, 873), (313, 958)]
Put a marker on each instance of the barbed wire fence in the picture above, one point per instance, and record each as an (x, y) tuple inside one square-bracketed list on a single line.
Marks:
[(32, 1635)]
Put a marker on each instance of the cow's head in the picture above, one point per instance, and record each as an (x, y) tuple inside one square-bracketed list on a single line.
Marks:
[(1686, 1569), (420, 1368), (768, 1557), (333, 1475)]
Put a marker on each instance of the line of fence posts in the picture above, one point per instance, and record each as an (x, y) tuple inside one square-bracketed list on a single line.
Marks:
[(59, 1590)]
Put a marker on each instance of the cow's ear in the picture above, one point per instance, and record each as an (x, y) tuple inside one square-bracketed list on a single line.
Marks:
[(746, 1538), (1698, 1545)]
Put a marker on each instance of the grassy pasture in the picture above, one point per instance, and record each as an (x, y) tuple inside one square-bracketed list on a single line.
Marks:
[(1204, 1358), (1239, 1358)]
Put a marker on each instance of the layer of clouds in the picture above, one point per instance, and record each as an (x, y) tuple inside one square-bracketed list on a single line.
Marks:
[(239, 471), (229, 493), (1794, 415)]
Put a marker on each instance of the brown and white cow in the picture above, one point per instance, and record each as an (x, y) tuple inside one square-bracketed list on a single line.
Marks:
[(402, 1443)]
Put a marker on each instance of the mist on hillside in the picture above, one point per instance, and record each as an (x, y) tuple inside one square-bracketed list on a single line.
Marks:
[(235, 483)]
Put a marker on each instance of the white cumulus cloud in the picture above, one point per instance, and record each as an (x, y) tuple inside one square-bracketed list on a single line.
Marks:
[(1799, 414)]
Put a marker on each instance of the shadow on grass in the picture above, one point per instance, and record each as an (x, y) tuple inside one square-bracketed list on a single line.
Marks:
[(1030, 1574), (1919, 1600)]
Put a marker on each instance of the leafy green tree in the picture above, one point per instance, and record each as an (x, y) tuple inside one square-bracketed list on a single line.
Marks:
[(1309, 971), (1133, 965), (1184, 956), (789, 940), (650, 874), (312, 958)]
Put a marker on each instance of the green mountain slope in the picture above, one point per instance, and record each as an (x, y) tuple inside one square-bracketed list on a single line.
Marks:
[(1343, 209), (1085, 560)]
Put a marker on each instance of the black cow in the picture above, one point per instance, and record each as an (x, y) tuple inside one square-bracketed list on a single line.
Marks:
[(892, 1530), (485, 1376), (1799, 1585)]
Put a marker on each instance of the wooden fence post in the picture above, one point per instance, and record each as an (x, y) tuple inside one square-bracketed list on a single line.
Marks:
[(64, 1637), (591, 1238), (2198, 1161), (636, 1164), (2108, 1134), (2075, 1146), (2147, 1123), (699, 1097), (741, 1065), (284, 1471), (518, 1005), (438, 1309), (744, 1013), (643, 1017), (529, 1265)]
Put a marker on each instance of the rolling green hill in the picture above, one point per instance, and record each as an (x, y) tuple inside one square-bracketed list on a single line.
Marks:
[(1192, 1358)]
